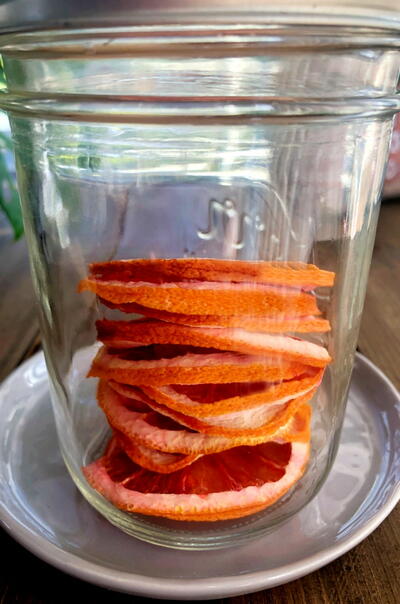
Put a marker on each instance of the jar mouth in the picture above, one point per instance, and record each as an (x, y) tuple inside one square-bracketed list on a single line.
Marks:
[(193, 14), (211, 39), (202, 73)]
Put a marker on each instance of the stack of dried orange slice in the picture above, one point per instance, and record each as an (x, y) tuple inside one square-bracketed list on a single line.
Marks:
[(207, 394)]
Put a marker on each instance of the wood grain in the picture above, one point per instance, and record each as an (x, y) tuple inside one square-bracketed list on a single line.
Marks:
[(380, 328), (368, 574)]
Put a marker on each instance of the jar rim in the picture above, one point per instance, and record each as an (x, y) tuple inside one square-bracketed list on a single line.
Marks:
[(36, 15)]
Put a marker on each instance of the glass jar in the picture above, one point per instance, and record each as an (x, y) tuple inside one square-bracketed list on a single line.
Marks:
[(200, 198)]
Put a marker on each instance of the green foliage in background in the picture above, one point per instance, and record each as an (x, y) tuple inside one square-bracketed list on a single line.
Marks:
[(9, 198)]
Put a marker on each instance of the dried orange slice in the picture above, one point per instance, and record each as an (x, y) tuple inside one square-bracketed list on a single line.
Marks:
[(151, 459), (159, 461), (209, 400), (297, 274), (248, 420), (144, 428), (159, 432), (262, 420), (199, 297), (129, 334), (226, 485), (298, 429), (190, 368), (276, 323)]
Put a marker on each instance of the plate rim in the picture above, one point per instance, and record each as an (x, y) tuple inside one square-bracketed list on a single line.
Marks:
[(204, 588)]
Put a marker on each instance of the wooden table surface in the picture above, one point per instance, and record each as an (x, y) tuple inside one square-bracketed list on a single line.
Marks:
[(370, 573)]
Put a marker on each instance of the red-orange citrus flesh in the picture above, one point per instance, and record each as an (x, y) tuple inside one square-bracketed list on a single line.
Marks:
[(232, 484)]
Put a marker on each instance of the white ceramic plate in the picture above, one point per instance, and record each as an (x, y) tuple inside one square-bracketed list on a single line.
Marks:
[(42, 509)]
